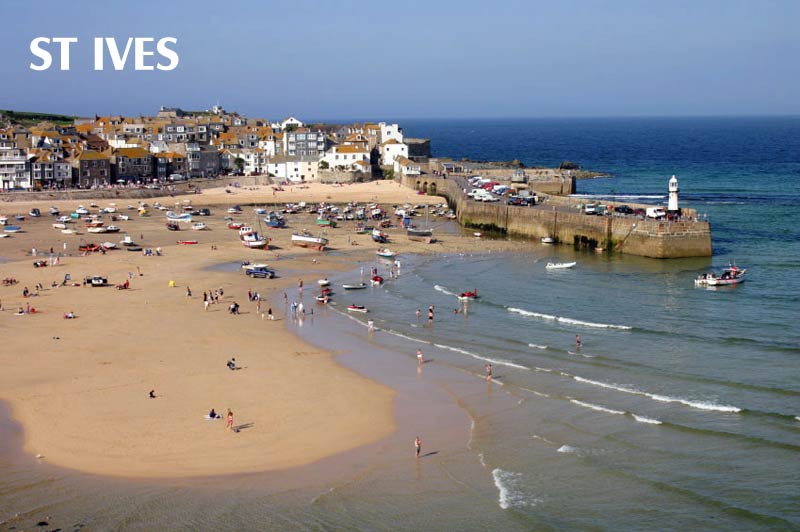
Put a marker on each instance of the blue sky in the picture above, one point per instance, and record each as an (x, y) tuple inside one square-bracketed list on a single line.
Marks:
[(373, 59)]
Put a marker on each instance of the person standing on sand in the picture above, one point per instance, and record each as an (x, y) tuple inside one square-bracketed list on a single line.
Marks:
[(417, 446), (188, 292), (269, 314), (229, 423)]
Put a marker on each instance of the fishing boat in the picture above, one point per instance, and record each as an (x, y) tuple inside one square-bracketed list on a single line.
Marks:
[(385, 253), (324, 282), (729, 276), (97, 229), (358, 286), (356, 308), (243, 230), (199, 226), (254, 241), (560, 265), (12, 229), (376, 280), (379, 236), (420, 235), (548, 240), (112, 229), (81, 210), (306, 240), (468, 295), (274, 221), (187, 242), (172, 226), (179, 217)]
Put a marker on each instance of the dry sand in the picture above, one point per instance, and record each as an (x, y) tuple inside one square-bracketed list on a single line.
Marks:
[(80, 387)]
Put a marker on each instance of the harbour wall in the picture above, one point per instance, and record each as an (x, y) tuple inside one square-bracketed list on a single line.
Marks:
[(559, 218)]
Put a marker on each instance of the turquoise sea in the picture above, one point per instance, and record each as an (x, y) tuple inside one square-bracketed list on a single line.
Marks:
[(680, 411)]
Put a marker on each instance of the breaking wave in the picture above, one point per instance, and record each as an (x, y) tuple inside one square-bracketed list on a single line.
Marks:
[(568, 321)]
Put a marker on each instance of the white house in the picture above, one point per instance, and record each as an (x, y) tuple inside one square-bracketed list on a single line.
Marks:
[(345, 156), (391, 131), (290, 121), (390, 150), (293, 169), (405, 166)]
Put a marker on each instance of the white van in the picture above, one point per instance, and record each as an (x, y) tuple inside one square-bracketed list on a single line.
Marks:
[(656, 212)]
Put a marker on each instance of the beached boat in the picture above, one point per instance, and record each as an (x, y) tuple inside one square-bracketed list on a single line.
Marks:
[(466, 296), (127, 241), (69, 231), (243, 230), (81, 210), (199, 226), (97, 229), (385, 253), (420, 235), (236, 209), (235, 225), (322, 299), (34, 213), (12, 229), (548, 240), (54, 211), (64, 219), (356, 308), (93, 222), (89, 247), (108, 245), (274, 221), (3, 220), (379, 236), (376, 280), (187, 242), (133, 248), (560, 265), (254, 241), (179, 217), (59, 226), (327, 291), (324, 222), (172, 226), (729, 276), (112, 229), (324, 282), (247, 265), (306, 240), (3, 235), (260, 210), (19, 217), (358, 286)]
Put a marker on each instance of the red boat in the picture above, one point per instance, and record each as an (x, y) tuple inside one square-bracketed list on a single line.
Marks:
[(376, 279), (326, 292), (235, 225), (187, 242), (89, 247), (472, 294)]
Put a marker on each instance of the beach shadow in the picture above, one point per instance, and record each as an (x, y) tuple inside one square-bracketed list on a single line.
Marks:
[(243, 426), (429, 454)]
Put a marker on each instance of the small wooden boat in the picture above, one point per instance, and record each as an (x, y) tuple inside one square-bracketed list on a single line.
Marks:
[(187, 242), (306, 240), (94, 223), (133, 248), (235, 225), (729, 276), (12, 229), (324, 222), (97, 229), (89, 248), (560, 265), (199, 226), (19, 217), (324, 282), (420, 235), (356, 308), (358, 286), (108, 245), (69, 231), (385, 253)]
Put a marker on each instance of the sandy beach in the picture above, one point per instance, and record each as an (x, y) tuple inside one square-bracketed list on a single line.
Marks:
[(79, 387)]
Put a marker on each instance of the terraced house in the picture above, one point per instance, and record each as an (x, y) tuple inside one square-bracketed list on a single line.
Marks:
[(49, 170), (133, 164), (91, 169)]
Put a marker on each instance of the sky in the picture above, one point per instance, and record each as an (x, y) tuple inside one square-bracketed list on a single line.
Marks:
[(416, 59)]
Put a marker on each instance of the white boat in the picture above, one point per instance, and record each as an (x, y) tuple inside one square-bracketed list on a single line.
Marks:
[(3, 235), (124, 217), (81, 210), (68, 231), (548, 240), (356, 308), (99, 229), (199, 226), (108, 245), (254, 240), (729, 276), (235, 210), (112, 229), (59, 226), (256, 266), (385, 253), (324, 282), (243, 230), (64, 219), (306, 240), (178, 217), (358, 286), (3, 220), (560, 265)]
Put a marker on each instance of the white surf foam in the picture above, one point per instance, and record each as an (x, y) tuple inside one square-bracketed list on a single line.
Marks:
[(643, 419), (537, 346), (507, 484), (443, 290), (567, 449), (401, 335), (700, 405), (596, 407), (568, 321), (497, 361)]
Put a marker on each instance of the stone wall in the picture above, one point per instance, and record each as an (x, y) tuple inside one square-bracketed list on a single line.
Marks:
[(560, 220)]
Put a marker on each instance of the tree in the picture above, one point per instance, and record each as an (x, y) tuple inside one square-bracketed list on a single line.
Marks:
[(239, 164), (323, 165)]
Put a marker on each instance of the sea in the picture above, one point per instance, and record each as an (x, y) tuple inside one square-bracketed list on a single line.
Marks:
[(680, 410)]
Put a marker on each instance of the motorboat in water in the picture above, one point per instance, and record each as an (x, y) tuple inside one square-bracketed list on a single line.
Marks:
[(357, 286), (470, 294), (560, 265), (729, 276), (324, 282), (356, 308)]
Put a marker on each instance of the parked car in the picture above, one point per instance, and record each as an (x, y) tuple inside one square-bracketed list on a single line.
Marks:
[(639, 212), (590, 208), (623, 209), (656, 212), (262, 273), (516, 200)]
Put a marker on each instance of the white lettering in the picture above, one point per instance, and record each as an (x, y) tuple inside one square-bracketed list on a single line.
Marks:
[(141, 53), (166, 52), (98, 53), (44, 55), (113, 52), (65, 43)]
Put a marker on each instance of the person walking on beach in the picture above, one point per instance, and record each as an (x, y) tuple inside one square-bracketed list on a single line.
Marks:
[(371, 325), (229, 423), (417, 446), (188, 292), (488, 372), (300, 286), (269, 314), (420, 360)]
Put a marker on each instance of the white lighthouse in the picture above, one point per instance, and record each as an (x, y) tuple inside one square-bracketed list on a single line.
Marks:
[(672, 206)]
